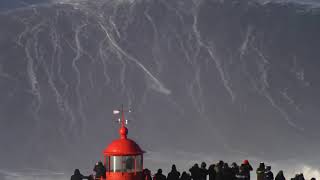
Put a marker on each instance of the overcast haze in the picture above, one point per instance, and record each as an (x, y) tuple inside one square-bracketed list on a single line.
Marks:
[(207, 80)]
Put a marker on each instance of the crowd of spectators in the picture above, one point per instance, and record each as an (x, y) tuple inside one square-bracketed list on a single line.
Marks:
[(218, 171)]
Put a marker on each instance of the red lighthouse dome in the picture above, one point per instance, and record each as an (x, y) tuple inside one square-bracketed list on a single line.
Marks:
[(123, 146), (123, 157)]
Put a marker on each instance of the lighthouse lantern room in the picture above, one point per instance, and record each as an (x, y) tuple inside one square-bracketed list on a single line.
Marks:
[(123, 157)]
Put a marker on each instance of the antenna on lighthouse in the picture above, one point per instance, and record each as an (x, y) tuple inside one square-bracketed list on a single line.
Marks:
[(121, 113)]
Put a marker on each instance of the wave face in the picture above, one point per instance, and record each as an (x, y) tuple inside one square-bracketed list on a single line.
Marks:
[(236, 78)]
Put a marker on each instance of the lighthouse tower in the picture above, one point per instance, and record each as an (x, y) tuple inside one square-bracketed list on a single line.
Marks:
[(123, 157)]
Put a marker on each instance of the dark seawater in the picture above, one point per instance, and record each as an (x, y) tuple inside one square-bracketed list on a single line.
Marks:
[(235, 78)]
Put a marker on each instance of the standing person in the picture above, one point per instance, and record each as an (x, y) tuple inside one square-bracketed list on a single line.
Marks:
[(212, 172), (234, 170), (280, 176), (247, 168), (146, 174), (260, 171), (78, 176), (203, 171), (296, 177), (218, 169), (173, 174), (100, 170), (185, 176), (159, 175), (226, 172), (195, 172), (241, 175), (300, 177), (268, 175)]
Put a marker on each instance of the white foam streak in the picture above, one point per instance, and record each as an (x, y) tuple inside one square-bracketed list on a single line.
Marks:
[(157, 85), (218, 62)]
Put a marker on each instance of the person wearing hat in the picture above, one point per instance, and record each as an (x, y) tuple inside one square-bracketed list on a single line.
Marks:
[(247, 168), (241, 174), (100, 170), (268, 175), (78, 176), (260, 171)]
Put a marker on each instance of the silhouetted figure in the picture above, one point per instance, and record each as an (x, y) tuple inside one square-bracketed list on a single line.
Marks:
[(195, 172), (247, 168), (296, 177), (218, 169), (234, 170), (203, 171), (159, 175), (260, 171), (78, 176), (300, 177), (173, 174), (146, 174), (280, 176), (185, 176), (226, 172), (242, 175), (268, 175), (212, 172), (100, 170)]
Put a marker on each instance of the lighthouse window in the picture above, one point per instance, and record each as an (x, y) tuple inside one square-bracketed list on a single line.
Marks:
[(125, 163), (128, 163), (138, 160), (116, 164)]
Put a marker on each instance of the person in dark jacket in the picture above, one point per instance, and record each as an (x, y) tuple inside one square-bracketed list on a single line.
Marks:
[(218, 169), (226, 172), (146, 174), (247, 168), (185, 176), (212, 172), (300, 177), (100, 170), (234, 170), (260, 171), (242, 175), (268, 175), (173, 174), (78, 176), (203, 171), (296, 177), (195, 172), (159, 175), (280, 176)]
